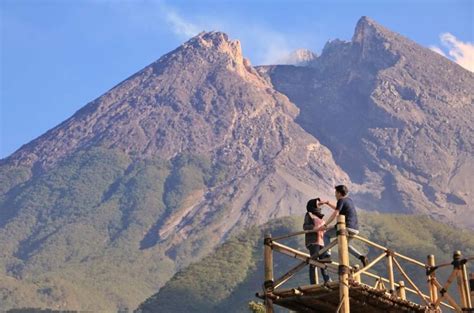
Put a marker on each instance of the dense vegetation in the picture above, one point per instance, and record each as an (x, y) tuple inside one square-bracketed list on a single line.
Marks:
[(83, 234), (228, 279)]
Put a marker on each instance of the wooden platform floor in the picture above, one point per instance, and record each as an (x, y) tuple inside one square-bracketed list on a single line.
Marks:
[(363, 299)]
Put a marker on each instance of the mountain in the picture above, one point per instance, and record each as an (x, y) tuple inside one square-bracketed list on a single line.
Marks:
[(100, 211), (234, 272), (397, 117)]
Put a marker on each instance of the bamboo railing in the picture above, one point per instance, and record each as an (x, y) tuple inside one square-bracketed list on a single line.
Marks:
[(347, 275)]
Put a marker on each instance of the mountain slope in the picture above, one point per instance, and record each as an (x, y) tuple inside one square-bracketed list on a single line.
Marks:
[(99, 212), (151, 176), (234, 272), (397, 117)]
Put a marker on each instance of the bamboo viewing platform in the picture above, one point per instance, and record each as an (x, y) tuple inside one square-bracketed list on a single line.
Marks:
[(351, 294)]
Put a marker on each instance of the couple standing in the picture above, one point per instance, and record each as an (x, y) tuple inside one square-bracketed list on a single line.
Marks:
[(313, 220)]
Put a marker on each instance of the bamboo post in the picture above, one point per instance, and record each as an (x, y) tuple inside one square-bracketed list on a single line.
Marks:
[(344, 269), (391, 277), (357, 277), (268, 267), (457, 256), (379, 284), (465, 284), (401, 290), (433, 289), (471, 286), (316, 275)]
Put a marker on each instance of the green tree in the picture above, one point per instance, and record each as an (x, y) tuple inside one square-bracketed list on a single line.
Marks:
[(256, 307)]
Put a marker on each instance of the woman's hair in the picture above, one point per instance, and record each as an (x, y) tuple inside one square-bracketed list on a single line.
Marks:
[(312, 204)]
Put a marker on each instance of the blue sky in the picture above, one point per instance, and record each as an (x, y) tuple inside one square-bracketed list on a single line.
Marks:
[(56, 56)]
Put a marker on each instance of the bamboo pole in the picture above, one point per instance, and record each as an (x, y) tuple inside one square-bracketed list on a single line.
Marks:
[(401, 290), (410, 281), (376, 285), (433, 289), (457, 256), (446, 295), (408, 259), (268, 268), (465, 285), (294, 234), (268, 305), (302, 256), (344, 264), (379, 285), (372, 263), (370, 243), (316, 275), (471, 286), (356, 276), (327, 247), (451, 263), (401, 256), (302, 232), (446, 286), (391, 277), (283, 279)]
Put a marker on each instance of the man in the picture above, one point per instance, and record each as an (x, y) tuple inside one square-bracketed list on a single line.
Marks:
[(346, 207), (314, 241)]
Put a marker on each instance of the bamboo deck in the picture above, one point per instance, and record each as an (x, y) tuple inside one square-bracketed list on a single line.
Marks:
[(349, 294), (322, 299)]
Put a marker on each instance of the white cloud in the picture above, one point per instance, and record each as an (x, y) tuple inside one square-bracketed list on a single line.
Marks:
[(179, 25), (267, 46), (260, 42), (459, 51)]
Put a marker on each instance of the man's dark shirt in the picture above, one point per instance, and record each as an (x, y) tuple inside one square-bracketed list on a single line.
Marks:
[(346, 207)]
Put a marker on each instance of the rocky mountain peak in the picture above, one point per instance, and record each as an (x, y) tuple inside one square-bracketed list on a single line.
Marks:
[(216, 48), (368, 29), (217, 41), (409, 112), (144, 107)]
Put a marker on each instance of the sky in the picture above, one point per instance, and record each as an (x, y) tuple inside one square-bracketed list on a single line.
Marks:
[(58, 55)]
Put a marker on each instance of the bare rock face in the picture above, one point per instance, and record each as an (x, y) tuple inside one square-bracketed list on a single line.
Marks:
[(166, 108), (203, 98), (397, 117)]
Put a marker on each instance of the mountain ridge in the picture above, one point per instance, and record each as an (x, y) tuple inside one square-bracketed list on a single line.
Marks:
[(155, 173), (406, 136)]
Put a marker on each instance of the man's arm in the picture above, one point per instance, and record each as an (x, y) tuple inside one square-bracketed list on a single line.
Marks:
[(332, 217), (329, 204)]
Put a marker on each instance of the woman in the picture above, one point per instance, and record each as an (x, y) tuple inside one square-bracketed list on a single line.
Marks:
[(314, 241)]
